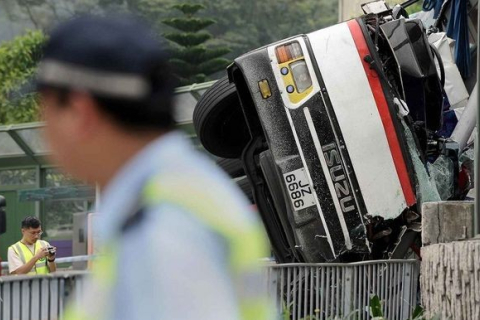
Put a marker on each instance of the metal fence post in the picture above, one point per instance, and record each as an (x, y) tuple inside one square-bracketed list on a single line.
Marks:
[(16, 301), (6, 301), (272, 276), (347, 291), (35, 298), (407, 290), (25, 304)]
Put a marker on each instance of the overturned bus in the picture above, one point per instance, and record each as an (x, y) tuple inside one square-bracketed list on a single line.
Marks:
[(339, 133)]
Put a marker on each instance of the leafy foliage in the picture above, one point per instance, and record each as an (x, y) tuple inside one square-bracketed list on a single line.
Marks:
[(417, 312), (416, 7), (376, 308), (192, 59), (245, 25), (18, 61), (17, 177), (376, 312), (249, 24), (239, 26)]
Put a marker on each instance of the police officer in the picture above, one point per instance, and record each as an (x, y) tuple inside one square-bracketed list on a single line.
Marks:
[(179, 241)]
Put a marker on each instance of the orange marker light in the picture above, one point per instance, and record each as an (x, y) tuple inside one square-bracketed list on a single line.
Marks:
[(281, 54), (264, 89), (288, 52)]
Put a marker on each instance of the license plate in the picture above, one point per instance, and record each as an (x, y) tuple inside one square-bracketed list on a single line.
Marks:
[(299, 189)]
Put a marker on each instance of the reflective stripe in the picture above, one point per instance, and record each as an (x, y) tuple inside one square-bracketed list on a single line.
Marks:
[(246, 240), (118, 85), (20, 252), (41, 267)]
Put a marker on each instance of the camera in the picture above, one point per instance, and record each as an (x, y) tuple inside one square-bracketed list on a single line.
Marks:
[(51, 250)]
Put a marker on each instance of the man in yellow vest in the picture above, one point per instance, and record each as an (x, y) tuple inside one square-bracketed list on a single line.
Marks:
[(31, 255), (179, 238)]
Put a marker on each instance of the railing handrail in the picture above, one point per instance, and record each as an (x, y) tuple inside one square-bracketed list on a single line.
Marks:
[(64, 260), (341, 264), (269, 263), (54, 275)]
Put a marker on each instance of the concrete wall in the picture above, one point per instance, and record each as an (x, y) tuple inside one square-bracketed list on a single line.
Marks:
[(450, 269)]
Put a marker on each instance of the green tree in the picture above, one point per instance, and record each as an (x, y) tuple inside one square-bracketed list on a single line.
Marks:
[(416, 7), (18, 62), (192, 59), (240, 25), (249, 24)]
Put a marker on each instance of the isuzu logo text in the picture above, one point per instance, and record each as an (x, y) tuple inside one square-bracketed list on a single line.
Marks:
[(337, 174)]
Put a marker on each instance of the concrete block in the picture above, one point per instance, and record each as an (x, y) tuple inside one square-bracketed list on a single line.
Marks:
[(446, 221), (450, 282)]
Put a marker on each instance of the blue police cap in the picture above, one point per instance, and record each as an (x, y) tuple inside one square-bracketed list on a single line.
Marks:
[(112, 57)]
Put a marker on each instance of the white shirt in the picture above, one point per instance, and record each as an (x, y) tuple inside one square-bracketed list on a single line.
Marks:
[(171, 265)]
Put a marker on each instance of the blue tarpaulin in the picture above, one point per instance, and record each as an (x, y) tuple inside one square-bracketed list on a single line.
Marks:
[(457, 29), (433, 4)]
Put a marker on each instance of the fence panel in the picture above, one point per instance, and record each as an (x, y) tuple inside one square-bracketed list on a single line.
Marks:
[(304, 291), (326, 291), (37, 297)]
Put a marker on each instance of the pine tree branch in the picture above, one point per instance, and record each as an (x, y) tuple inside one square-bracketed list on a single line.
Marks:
[(188, 24), (188, 9), (214, 65), (188, 39)]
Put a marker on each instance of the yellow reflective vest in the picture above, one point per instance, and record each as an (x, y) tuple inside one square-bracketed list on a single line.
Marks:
[(247, 244), (26, 255)]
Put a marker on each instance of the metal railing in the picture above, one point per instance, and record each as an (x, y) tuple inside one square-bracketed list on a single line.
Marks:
[(38, 297), (304, 291), (326, 291), (84, 258)]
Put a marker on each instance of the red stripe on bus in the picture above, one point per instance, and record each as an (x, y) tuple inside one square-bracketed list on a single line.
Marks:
[(384, 112)]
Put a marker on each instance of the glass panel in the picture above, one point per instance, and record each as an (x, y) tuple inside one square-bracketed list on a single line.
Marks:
[(59, 218), (17, 177), (9, 147), (55, 178), (34, 139)]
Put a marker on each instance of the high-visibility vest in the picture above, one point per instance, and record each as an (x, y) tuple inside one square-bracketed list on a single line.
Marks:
[(26, 255), (246, 245)]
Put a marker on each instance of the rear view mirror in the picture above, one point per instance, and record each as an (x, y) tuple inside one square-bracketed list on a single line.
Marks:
[(3, 215)]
